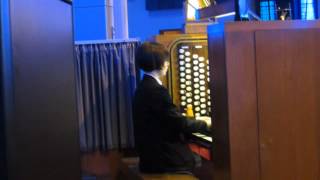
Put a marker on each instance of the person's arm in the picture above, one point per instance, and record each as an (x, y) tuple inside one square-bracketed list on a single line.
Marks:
[(177, 121)]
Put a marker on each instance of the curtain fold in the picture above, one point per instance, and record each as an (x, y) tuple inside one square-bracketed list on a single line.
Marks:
[(106, 80)]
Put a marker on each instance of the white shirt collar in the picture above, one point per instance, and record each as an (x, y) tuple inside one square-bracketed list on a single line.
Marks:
[(154, 75)]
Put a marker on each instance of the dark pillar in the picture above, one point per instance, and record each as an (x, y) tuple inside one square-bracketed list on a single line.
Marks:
[(38, 110)]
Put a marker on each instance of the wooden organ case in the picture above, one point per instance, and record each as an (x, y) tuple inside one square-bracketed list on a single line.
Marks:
[(188, 81)]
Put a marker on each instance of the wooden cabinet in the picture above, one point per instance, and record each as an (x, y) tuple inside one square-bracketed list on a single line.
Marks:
[(266, 91)]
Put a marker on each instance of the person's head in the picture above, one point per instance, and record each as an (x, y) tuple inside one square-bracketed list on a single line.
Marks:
[(151, 56)]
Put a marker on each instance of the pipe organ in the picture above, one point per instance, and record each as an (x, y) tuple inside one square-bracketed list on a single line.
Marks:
[(188, 81)]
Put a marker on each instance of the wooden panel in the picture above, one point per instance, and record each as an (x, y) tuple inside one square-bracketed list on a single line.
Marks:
[(242, 100), (220, 128), (288, 73)]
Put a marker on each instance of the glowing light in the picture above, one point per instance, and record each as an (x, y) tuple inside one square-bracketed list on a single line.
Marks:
[(307, 10), (225, 15)]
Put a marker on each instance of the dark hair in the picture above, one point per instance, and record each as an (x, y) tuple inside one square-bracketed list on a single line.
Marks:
[(151, 56)]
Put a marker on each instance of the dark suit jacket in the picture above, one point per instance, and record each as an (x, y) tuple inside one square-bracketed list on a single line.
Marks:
[(159, 130)]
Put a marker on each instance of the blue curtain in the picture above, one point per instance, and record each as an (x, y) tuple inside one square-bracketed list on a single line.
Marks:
[(106, 80)]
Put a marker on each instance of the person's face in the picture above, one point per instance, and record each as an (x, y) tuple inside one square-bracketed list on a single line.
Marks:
[(165, 67)]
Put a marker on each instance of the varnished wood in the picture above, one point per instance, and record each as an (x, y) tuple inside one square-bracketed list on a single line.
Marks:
[(221, 144), (242, 99), (289, 103), (265, 84)]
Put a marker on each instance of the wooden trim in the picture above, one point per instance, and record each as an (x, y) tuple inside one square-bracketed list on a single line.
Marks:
[(220, 129)]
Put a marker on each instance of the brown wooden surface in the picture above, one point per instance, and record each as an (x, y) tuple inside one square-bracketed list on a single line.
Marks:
[(242, 100), (221, 144), (265, 126), (288, 64)]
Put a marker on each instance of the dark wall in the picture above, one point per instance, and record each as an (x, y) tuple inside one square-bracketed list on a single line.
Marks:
[(163, 4), (41, 129)]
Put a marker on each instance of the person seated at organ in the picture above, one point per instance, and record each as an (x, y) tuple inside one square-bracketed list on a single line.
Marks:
[(159, 127)]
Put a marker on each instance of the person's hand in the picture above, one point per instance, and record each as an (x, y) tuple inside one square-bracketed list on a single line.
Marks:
[(206, 119)]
